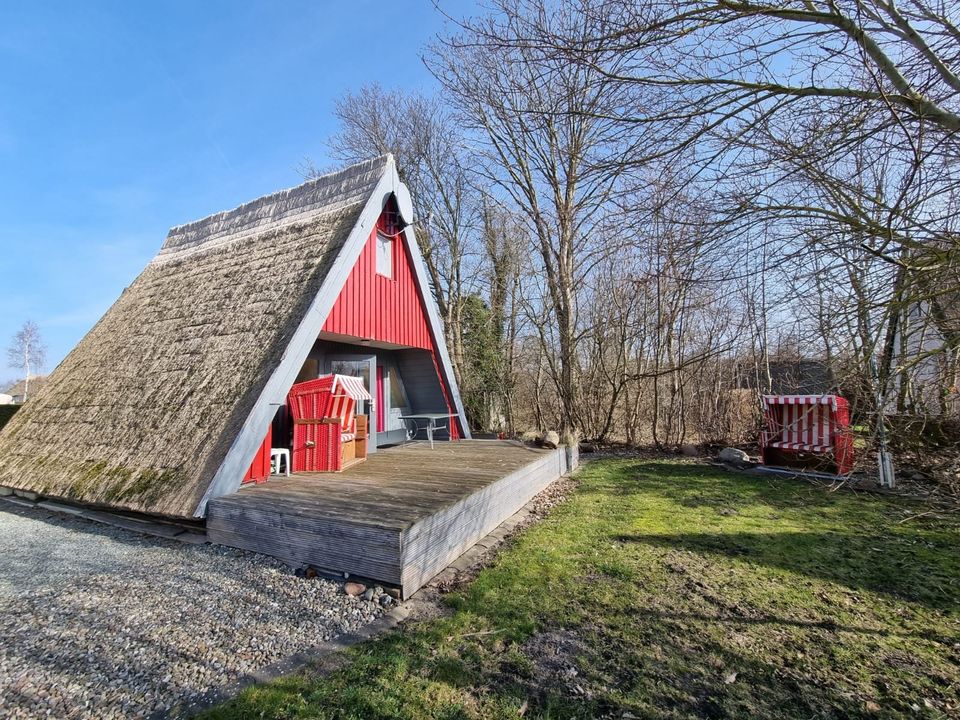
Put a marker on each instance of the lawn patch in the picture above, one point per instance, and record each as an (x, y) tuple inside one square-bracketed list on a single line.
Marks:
[(669, 589)]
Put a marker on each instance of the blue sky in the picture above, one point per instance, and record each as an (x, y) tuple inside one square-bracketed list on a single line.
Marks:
[(120, 120)]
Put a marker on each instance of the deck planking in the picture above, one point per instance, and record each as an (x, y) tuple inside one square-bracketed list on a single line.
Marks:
[(399, 518)]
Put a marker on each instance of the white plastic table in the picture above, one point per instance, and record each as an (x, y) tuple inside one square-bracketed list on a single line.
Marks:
[(432, 420)]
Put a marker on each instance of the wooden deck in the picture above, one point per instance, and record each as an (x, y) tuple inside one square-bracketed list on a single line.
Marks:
[(398, 518)]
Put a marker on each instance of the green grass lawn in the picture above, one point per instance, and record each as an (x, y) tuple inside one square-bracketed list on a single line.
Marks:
[(664, 589)]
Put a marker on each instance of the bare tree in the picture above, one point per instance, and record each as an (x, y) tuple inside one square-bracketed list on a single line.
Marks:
[(792, 91), (503, 236), (27, 353), (430, 153), (544, 143)]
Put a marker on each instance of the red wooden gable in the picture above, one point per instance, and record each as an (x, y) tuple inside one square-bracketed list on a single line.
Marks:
[(385, 309), (375, 307)]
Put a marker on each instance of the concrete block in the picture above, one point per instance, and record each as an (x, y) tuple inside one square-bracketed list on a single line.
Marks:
[(60, 508), (22, 502)]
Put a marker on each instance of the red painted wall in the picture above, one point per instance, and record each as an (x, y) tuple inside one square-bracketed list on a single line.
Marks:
[(388, 309), (376, 307), (259, 469)]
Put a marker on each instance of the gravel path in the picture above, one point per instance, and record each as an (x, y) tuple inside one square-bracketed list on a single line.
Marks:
[(97, 621)]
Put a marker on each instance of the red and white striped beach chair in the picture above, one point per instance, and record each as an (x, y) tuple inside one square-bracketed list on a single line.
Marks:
[(327, 433), (814, 424)]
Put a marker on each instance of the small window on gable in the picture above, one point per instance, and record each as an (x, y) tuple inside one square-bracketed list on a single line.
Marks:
[(384, 255)]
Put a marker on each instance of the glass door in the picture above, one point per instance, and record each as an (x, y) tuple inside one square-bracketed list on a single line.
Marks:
[(393, 404), (365, 368)]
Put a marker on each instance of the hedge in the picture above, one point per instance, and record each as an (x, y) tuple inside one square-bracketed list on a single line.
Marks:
[(6, 412)]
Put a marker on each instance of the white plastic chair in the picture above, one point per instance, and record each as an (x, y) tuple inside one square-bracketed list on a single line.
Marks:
[(277, 454)]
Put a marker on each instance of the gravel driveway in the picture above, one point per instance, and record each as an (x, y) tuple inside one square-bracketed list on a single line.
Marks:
[(102, 622)]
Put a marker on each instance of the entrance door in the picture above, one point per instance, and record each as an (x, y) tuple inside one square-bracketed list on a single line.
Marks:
[(365, 368), (392, 404)]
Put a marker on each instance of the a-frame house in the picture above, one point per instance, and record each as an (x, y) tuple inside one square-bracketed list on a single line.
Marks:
[(166, 402), (300, 324)]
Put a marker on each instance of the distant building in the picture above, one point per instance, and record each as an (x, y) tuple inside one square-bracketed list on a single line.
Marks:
[(19, 392), (927, 344), (802, 376)]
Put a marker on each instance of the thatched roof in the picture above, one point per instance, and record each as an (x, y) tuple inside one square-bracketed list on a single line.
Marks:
[(142, 413)]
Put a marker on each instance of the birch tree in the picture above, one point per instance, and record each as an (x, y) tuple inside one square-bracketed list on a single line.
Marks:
[(27, 353)]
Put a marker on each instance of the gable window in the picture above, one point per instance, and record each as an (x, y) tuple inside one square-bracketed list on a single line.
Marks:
[(384, 255)]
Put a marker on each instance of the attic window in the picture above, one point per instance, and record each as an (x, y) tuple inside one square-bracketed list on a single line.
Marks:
[(390, 221), (384, 255)]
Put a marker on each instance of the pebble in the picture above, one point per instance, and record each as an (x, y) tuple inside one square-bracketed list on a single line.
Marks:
[(100, 622)]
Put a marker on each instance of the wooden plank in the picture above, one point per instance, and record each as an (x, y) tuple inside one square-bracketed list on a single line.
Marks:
[(317, 541), (336, 558), (437, 541), (398, 486)]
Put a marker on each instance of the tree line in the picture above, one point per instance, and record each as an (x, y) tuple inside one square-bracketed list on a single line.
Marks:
[(632, 211)]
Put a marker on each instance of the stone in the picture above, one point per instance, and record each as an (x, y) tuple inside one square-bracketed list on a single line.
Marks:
[(733, 455), (5, 491), (386, 600), (530, 436), (551, 440), (689, 450), (26, 494), (353, 589), (368, 594)]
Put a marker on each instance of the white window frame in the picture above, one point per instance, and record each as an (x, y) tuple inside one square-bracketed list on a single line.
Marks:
[(385, 255)]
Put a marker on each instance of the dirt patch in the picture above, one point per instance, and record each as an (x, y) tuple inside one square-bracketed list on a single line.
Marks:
[(556, 659)]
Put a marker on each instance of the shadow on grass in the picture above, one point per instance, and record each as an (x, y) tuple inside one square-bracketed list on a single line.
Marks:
[(908, 567), (681, 669), (673, 673), (828, 624)]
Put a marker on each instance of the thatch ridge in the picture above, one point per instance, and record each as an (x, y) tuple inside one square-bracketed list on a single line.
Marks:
[(325, 194), (143, 411)]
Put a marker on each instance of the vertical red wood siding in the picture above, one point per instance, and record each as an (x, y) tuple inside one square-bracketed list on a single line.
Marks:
[(259, 469), (375, 307), (386, 309)]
